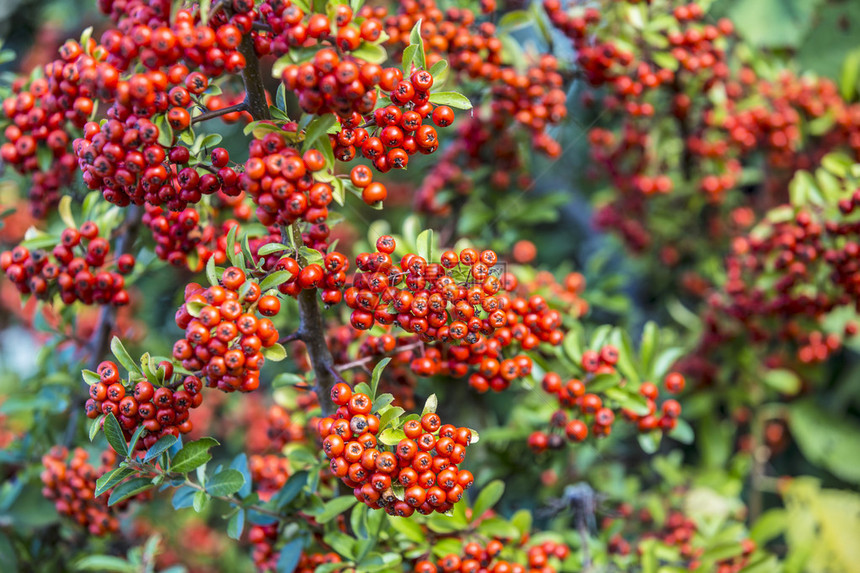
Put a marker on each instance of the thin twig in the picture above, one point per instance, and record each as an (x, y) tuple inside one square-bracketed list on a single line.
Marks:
[(362, 361), (213, 113)]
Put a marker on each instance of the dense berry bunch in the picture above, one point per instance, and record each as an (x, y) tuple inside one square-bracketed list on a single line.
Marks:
[(162, 406), (281, 182), (532, 98), (329, 83), (438, 301), (77, 269), (269, 473), (224, 337), (424, 463), (766, 297), (291, 27), (589, 407), (125, 160), (630, 528), (71, 483), (397, 131), (487, 557)]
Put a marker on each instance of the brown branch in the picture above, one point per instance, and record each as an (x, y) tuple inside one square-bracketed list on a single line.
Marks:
[(362, 361), (213, 113)]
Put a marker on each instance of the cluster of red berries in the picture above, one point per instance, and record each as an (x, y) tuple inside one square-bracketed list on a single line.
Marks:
[(573, 395), (291, 27), (766, 297), (533, 99), (431, 481), (281, 182), (75, 276), (432, 303), (71, 484), (162, 41), (398, 130), (486, 557), (329, 83), (125, 161), (269, 473), (677, 530), (160, 408), (224, 339), (38, 119), (264, 537)]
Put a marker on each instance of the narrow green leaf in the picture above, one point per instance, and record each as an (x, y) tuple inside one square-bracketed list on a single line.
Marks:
[(488, 497), (335, 507), (275, 353), (225, 482), (193, 455), (113, 433), (274, 279), (451, 99), (162, 445), (377, 373), (111, 478), (129, 488), (122, 355)]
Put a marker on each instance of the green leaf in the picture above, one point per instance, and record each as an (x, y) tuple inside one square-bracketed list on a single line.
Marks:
[(291, 489), (649, 442), (439, 68), (122, 355), (430, 405), (281, 97), (826, 440), (162, 445), (629, 400), (769, 525), (275, 352), (424, 243), (391, 436), (193, 455), (335, 507), (488, 497), (65, 210), (572, 346), (111, 478), (104, 563), (379, 561), (113, 433), (240, 464), (682, 432), (648, 345), (290, 555), (129, 488), (495, 527), (225, 482), (201, 498), (773, 23), (372, 53), (236, 524), (782, 380), (341, 543), (515, 19), (665, 360), (416, 40), (132, 443), (274, 279), (317, 129), (409, 529), (376, 374), (408, 58), (211, 272), (270, 248), (90, 377), (451, 99), (95, 426), (848, 79)]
